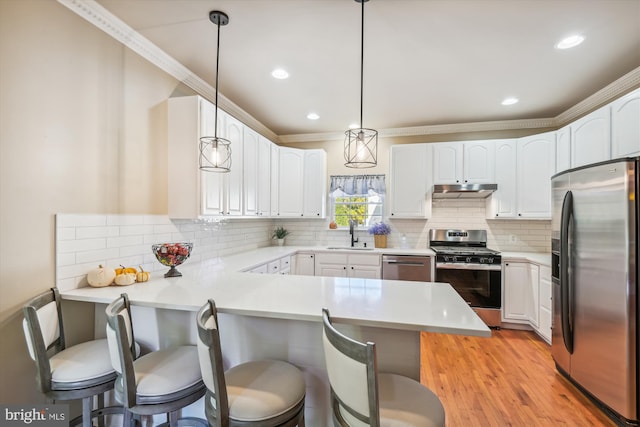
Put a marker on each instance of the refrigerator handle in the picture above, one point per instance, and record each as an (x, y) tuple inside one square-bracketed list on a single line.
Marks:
[(566, 279)]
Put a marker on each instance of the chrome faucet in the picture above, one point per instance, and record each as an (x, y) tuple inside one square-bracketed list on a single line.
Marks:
[(352, 224)]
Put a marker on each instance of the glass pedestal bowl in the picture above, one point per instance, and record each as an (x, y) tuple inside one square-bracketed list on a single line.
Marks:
[(172, 255)]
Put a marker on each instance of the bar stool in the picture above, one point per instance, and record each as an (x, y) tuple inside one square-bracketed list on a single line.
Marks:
[(265, 393), (162, 381), (81, 371), (360, 396)]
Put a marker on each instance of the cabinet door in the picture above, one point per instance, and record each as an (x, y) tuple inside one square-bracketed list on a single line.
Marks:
[(536, 165), (478, 162), (233, 198), (363, 272), (315, 183), (502, 203), (625, 126), (264, 176), (275, 180), (517, 287), (304, 264), (563, 149), (447, 163), (250, 171), (213, 183), (290, 182), (410, 181), (533, 297), (590, 138), (545, 314)]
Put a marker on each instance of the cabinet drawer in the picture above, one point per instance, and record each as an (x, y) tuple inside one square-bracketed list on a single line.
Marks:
[(285, 263), (273, 266), (323, 258)]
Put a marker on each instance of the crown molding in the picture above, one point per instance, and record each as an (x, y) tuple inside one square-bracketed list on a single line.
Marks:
[(116, 28), (104, 20)]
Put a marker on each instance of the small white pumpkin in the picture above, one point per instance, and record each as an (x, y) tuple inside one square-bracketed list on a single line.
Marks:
[(125, 279), (101, 277)]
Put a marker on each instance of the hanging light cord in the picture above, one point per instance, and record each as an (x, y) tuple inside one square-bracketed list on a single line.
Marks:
[(215, 125), (361, 62)]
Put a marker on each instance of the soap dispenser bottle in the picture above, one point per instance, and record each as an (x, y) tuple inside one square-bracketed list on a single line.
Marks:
[(403, 242)]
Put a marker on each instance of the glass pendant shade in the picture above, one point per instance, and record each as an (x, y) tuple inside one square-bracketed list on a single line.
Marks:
[(361, 148), (215, 154)]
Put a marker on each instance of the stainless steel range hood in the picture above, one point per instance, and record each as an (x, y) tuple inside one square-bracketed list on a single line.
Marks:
[(463, 191)]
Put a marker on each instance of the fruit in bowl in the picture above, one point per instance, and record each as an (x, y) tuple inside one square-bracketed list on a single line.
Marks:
[(172, 255)]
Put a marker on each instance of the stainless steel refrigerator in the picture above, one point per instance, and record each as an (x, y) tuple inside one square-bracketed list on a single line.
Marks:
[(595, 283)]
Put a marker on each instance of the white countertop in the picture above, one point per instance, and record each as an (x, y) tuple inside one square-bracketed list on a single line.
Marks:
[(540, 258), (419, 306)]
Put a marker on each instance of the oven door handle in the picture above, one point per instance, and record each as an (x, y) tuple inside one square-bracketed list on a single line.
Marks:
[(457, 266)]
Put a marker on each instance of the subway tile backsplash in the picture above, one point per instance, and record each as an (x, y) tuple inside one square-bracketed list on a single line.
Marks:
[(84, 241)]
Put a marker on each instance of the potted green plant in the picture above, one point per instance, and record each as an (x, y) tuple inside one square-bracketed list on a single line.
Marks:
[(280, 233)]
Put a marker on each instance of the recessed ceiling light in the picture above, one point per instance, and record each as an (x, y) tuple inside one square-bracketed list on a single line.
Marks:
[(279, 73), (569, 42), (354, 126), (313, 116), (510, 101)]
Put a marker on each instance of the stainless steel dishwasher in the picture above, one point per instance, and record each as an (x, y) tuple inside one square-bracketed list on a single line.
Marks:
[(406, 267)]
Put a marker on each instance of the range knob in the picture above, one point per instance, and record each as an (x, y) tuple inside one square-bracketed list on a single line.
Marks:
[(468, 259)]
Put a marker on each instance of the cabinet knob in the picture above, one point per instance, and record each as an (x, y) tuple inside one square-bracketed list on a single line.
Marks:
[(519, 214), (496, 214), (392, 214), (466, 180), (344, 268)]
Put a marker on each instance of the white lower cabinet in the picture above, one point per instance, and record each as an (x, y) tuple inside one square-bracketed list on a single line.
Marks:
[(527, 296), (278, 266), (365, 266), (304, 264), (545, 314)]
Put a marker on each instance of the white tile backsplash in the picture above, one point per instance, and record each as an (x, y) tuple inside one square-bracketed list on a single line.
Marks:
[(85, 241)]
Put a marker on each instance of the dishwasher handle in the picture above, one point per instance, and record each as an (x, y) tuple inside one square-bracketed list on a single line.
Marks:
[(390, 261)]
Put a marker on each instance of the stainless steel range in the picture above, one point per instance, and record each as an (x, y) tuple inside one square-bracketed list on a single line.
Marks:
[(474, 271)]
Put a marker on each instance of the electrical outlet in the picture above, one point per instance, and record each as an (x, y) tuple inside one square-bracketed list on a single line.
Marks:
[(512, 238)]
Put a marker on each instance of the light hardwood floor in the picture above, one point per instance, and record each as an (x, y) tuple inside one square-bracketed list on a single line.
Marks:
[(506, 380)]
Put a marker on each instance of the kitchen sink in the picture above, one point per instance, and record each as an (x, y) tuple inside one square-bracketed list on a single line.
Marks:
[(349, 248)]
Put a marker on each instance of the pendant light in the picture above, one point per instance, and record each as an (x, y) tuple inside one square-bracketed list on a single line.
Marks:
[(361, 144), (215, 152)]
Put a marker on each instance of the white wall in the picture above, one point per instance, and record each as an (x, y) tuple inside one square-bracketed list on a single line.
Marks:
[(82, 130)]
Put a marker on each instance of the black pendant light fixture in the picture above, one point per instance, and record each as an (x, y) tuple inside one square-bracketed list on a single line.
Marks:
[(361, 144), (215, 152)]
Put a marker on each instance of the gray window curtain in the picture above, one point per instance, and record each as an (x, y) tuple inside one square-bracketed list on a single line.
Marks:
[(357, 184)]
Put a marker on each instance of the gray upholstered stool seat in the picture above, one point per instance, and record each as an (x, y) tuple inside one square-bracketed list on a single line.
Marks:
[(162, 373), (163, 381), (81, 371), (360, 396), (263, 389), (82, 362), (264, 393)]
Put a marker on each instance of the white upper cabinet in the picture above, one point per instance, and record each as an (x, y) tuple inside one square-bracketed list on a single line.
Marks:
[(409, 192), (502, 203), (264, 176), (448, 161), (563, 149), (275, 180), (290, 189), (591, 138), (251, 163), (536, 165), (469, 162), (625, 125), (191, 193), (314, 183)]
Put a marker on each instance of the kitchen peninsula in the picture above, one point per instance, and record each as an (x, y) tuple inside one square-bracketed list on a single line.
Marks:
[(279, 316)]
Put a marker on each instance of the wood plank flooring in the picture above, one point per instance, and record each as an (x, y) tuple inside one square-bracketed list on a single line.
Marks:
[(506, 380)]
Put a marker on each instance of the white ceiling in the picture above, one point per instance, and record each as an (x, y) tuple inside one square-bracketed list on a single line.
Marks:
[(427, 62)]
